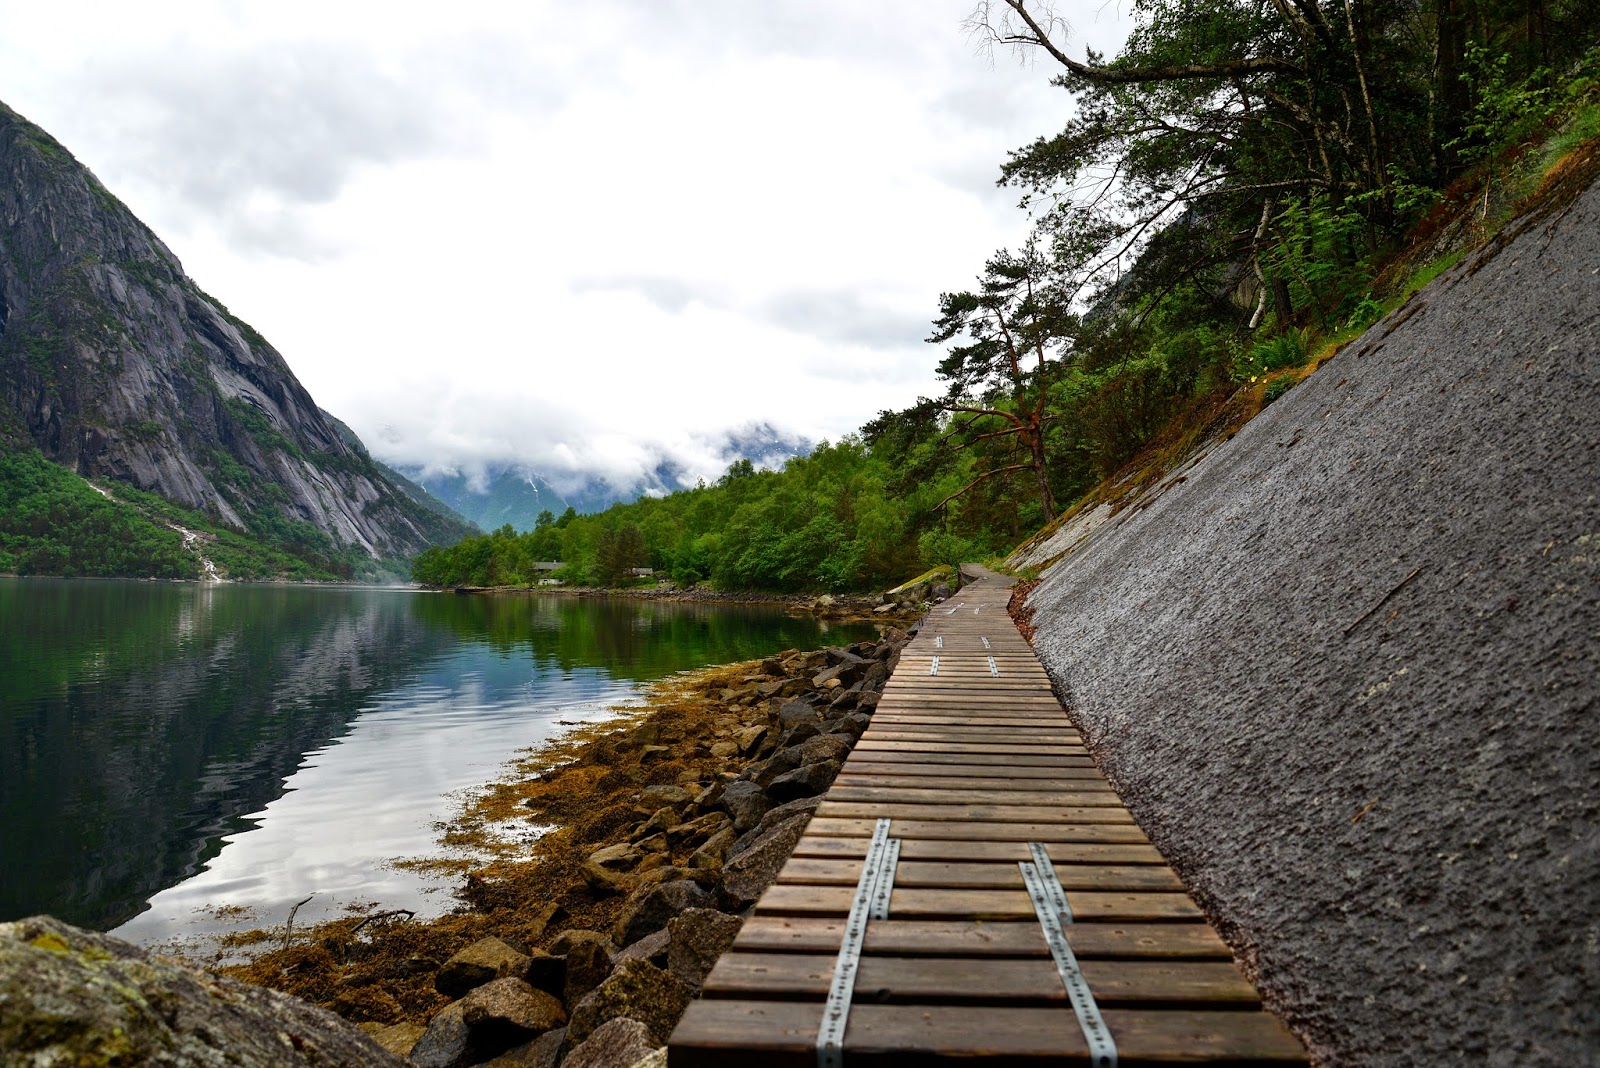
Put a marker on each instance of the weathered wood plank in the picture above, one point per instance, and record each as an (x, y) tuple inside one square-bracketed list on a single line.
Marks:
[(995, 938), (717, 1033), (869, 744), (911, 769), (1004, 760), (841, 848), (967, 980), (979, 875), (1090, 784), (1009, 814), (918, 904), (861, 827), (934, 796)]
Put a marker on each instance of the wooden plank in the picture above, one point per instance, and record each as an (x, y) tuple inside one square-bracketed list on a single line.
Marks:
[(842, 848), (888, 773), (717, 1033), (870, 744), (967, 980), (1002, 938), (917, 904), (979, 875), (1012, 814), (1011, 760), (861, 827), (1088, 780), (923, 795)]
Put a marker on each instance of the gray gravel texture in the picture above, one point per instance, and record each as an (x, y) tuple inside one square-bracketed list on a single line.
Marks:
[(1394, 817)]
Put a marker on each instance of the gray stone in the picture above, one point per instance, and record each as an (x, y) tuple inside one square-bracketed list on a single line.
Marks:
[(485, 960), (547, 972), (652, 947), (655, 797), (746, 802), (751, 737), (824, 747), (447, 1043), (745, 876), (542, 1052), (711, 853), (76, 997), (794, 713), (800, 806), (806, 781), (399, 1039), (698, 937), (618, 1043), (649, 908), (638, 991), (510, 1007), (566, 940), (588, 964), (780, 763)]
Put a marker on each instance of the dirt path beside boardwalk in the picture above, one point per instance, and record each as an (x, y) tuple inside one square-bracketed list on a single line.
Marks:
[(1347, 672)]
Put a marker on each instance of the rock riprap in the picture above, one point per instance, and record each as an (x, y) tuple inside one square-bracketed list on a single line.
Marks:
[(74, 997)]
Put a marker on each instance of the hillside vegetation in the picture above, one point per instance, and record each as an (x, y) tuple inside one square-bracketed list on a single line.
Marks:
[(1243, 190), (52, 522)]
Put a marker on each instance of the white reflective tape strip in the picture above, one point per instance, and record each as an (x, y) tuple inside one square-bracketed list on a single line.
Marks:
[(934, 668), (1052, 885), (986, 644), (836, 1013), (1102, 1048), (994, 669), (885, 889)]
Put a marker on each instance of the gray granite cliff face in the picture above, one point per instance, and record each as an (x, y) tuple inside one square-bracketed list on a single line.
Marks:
[(113, 362), (1346, 671)]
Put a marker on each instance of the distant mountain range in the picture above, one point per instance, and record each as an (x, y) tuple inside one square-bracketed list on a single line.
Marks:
[(116, 365), (516, 493)]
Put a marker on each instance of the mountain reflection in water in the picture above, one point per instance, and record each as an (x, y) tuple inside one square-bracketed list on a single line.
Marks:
[(250, 745)]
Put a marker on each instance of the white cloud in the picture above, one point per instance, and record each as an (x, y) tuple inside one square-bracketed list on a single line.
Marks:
[(585, 237)]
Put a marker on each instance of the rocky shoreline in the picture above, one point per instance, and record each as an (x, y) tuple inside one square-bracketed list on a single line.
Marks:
[(585, 948), (827, 605)]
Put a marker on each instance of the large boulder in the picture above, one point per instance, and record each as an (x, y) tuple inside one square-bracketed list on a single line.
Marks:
[(73, 997), (745, 876), (809, 780), (746, 802), (619, 1043), (649, 909), (697, 938), (636, 990), (484, 961)]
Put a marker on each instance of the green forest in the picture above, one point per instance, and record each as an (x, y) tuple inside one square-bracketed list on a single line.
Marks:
[(1243, 189)]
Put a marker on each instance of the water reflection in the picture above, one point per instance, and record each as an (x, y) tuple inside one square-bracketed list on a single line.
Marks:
[(255, 743)]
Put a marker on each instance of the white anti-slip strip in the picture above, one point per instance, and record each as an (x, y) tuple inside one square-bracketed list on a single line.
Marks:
[(871, 903), (1050, 905)]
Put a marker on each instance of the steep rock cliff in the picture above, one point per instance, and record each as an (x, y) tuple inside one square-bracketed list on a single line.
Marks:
[(113, 362)]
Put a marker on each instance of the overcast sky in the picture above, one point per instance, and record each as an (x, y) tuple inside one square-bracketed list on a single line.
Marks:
[(582, 235)]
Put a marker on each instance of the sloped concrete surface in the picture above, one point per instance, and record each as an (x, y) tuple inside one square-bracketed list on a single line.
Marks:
[(1346, 672)]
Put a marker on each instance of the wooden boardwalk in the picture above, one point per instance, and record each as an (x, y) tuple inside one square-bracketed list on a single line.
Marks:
[(916, 916)]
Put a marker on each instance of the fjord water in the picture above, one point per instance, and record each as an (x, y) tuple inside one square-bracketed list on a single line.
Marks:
[(171, 750)]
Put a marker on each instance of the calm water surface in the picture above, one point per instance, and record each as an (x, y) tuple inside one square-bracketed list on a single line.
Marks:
[(169, 750)]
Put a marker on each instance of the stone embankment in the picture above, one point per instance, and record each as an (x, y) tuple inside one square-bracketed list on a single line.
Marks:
[(684, 866)]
